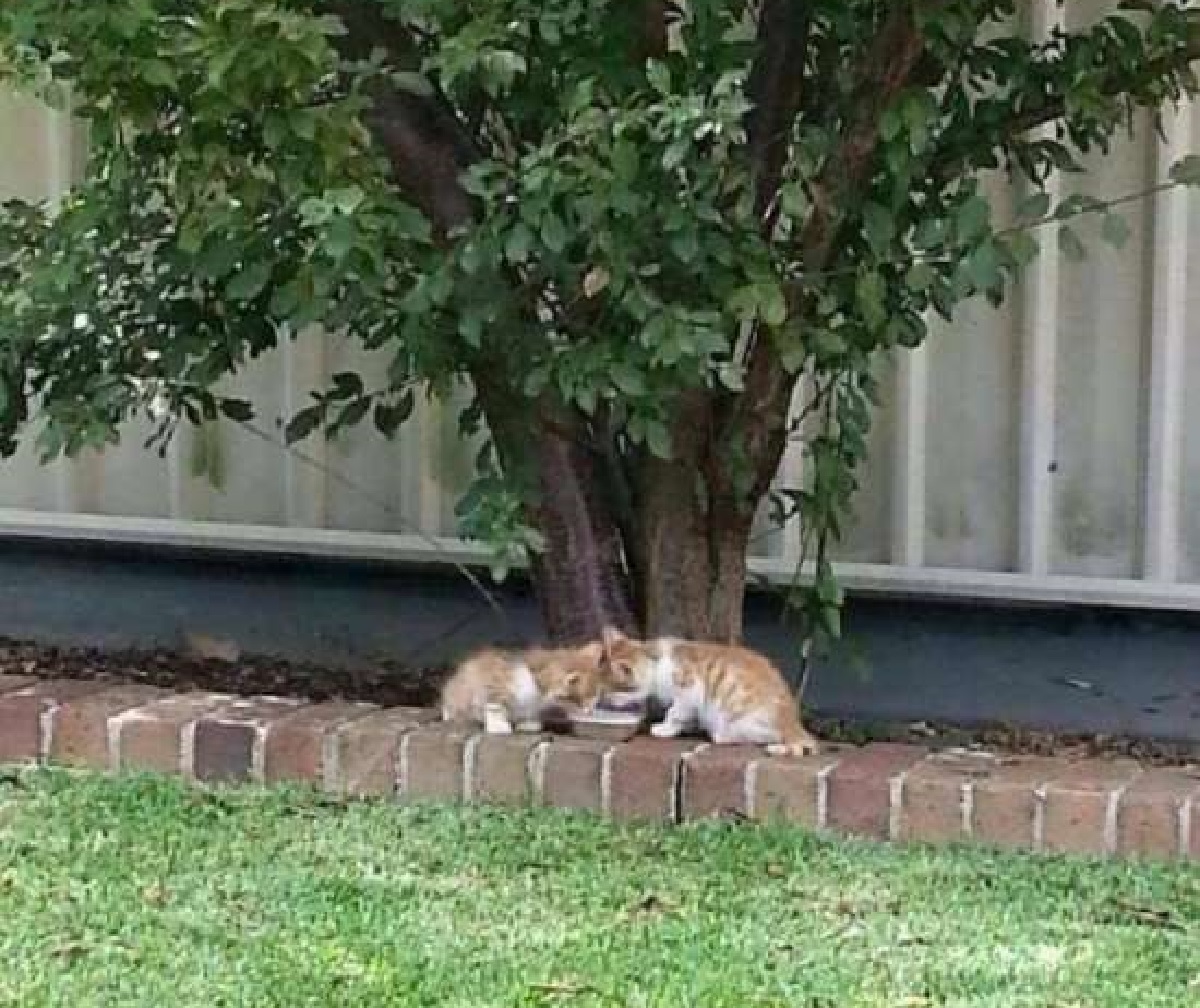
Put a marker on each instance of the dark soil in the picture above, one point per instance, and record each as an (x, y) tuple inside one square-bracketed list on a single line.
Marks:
[(392, 685), (385, 684)]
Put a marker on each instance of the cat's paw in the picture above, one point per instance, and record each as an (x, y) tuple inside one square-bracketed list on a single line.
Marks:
[(498, 728), (664, 729), (529, 727), (805, 747)]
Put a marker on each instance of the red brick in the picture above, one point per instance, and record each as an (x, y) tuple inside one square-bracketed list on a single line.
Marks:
[(573, 774), (227, 743), (366, 752), (500, 767), (21, 736), (713, 781), (80, 734), (1006, 802), (432, 761), (295, 748), (1149, 818), (149, 738), (1078, 804), (644, 777), (789, 790), (859, 791), (937, 792)]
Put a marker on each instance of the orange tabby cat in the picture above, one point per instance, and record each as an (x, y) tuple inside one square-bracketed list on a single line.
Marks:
[(735, 695), (506, 689)]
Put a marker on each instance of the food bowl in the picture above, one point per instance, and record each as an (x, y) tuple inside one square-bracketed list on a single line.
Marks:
[(607, 725)]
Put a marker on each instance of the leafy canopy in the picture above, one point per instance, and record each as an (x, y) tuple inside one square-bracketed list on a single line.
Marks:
[(612, 233)]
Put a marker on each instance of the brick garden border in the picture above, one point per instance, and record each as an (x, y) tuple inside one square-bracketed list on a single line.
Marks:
[(883, 791)]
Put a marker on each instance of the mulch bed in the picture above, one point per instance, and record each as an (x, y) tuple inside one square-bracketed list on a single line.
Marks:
[(391, 685)]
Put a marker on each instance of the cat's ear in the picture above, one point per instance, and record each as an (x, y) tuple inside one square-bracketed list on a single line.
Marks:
[(612, 636)]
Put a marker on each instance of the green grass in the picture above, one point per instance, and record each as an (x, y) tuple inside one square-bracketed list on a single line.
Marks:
[(147, 893)]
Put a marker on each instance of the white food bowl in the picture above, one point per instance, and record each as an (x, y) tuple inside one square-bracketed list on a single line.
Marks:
[(607, 725)]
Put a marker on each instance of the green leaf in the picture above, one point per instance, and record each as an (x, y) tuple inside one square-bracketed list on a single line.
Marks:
[(1022, 246), (971, 218), (303, 423), (983, 267), (870, 293), (340, 237), (658, 439), (237, 410), (518, 243), (1186, 171), (627, 378), (249, 282), (347, 385), (1071, 246), (347, 200), (389, 417), (659, 76), (1114, 229), (920, 276), (353, 412), (772, 306), (159, 73), (879, 229), (831, 620), (554, 233), (1033, 207)]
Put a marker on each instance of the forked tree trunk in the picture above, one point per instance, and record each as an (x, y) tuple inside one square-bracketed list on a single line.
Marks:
[(580, 578), (695, 559)]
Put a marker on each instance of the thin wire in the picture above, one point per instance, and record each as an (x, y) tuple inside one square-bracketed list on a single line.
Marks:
[(1053, 217), (386, 506)]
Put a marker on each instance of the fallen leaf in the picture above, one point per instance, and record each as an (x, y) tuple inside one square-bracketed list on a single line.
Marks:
[(155, 894), (1149, 916), (653, 904), (563, 988), (69, 950)]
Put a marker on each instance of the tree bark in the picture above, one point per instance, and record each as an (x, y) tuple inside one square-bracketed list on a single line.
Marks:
[(580, 578), (695, 559)]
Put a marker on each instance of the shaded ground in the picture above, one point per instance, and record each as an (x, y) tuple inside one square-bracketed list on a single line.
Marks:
[(392, 685), (1062, 669), (142, 892)]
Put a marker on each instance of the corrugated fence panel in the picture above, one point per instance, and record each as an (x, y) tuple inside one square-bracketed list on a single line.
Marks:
[(1044, 450)]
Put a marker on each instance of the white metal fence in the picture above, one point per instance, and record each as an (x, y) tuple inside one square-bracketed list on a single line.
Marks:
[(1046, 450)]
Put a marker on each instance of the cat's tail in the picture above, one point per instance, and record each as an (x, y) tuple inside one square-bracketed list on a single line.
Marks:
[(795, 743)]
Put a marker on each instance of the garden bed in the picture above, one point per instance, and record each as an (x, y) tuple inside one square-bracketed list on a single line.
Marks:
[(389, 685)]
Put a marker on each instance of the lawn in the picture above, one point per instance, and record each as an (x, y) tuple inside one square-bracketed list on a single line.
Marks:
[(147, 893)]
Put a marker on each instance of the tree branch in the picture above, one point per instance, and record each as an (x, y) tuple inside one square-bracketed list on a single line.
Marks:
[(1045, 108), (776, 89), (426, 145), (887, 66), (759, 420)]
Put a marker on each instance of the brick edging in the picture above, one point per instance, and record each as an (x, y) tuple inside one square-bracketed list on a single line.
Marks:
[(883, 791)]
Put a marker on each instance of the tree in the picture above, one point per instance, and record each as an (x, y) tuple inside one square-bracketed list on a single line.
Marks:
[(636, 230)]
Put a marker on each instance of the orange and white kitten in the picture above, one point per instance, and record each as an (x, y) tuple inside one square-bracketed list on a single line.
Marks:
[(503, 690), (734, 694)]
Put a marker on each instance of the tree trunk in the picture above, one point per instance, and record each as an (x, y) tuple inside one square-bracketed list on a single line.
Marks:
[(580, 578), (692, 539), (694, 556)]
